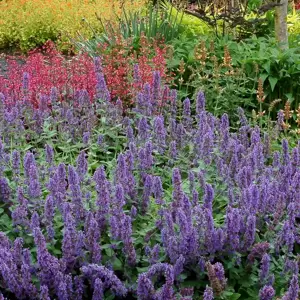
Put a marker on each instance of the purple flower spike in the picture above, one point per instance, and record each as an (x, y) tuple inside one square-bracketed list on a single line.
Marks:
[(49, 154), (265, 267), (266, 293), (200, 102), (98, 290), (208, 293), (109, 279), (25, 82), (293, 291), (44, 293), (145, 288)]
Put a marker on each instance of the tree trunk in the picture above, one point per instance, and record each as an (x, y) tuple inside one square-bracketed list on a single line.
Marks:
[(281, 31)]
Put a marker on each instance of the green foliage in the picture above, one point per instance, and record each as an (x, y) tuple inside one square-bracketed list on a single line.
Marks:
[(156, 24), (251, 59), (191, 26), (28, 24)]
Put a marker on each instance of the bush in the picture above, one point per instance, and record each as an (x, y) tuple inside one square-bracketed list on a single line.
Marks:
[(163, 203), (28, 24)]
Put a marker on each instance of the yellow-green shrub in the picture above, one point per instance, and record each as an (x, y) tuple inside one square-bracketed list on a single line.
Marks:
[(26, 24), (190, 25)]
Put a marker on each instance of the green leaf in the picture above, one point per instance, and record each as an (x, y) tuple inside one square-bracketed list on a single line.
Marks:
[(290, 96), (264, 76), (117, 264), (231, 296), (267, 66), (273, 81)]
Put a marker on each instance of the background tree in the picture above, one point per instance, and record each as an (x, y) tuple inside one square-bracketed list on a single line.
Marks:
[(281, 31)]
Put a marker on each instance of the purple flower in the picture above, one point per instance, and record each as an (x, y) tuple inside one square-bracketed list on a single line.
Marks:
[(209, 231), (128, 242), (25, 82), (61, 286), (143, 129), (17, 251), (250, 232), (86, 137), (180, 135), (280, 120), (103, 195), (98, 290), (209, 196), (145, 288), (82, 165), (287, 236), (35, 221), (34, 188), (29, 288), (219, 238), (69, 240), (49, 154), (79, 288), (154, 254), (156, 88), (233, 225), (157, 190), (220, 273), (133, 212), (258, 251), (179, 266), (208, 293), (242, 117), (285, 152), (173, 150), (4, 190), (53, 96), (109, 279), (291, 266), (173, 102), (136, 74), (146, 193), (28, 161), (293, 291), (97, 64), (200, 102), (49, 265), (114, 227), (74, 184), (20, 214), (44, 293), (101, 88), (15, 157), (92, 240), (187, 120), (177, 196), (266, 293), (160, 133), (100, 139)]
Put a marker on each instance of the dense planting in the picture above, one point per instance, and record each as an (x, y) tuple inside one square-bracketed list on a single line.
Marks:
[(157, 160), (27, 24), (163, 202), (126, 70)]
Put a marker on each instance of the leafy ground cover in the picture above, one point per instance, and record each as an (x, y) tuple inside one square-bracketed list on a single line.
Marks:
[(164, 202)]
